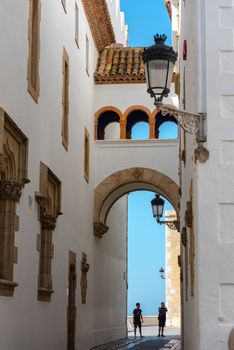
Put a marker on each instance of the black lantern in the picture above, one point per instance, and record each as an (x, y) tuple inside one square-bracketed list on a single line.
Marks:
[(162, 273), (159, 61), (157, 206)]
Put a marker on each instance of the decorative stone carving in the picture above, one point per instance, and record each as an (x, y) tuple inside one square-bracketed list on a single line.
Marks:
[(99, 229), (189, 215), (49, 202), (202, 154), (83, 280), (71, 308), (184, 236), (13, 176), (10, 190)]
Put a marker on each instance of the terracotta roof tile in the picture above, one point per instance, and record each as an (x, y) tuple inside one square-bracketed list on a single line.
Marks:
[(100, 24), (118, 65)]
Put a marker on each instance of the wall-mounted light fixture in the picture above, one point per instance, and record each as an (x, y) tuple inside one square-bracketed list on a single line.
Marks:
[(162, 273), (157, 208), (159, 61)]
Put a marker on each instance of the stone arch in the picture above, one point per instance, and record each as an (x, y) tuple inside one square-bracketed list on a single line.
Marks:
[(127, 180), (100, 113), (136, 108)]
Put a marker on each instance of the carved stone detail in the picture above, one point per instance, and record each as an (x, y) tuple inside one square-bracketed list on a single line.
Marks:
[(13, 176), (83, 281), (202, 154), (184, 239), (100, 229), (71, 308), (49, 201), (10, 190), (189, 215)]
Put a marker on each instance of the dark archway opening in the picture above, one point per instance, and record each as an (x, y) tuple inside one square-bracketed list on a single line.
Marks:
[(135, 117), (104, 120), (162, 122)]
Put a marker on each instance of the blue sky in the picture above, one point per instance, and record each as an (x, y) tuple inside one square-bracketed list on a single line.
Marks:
[(146, 241), (145, 18)]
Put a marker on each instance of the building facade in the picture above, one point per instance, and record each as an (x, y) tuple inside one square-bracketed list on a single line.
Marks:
[(52, 268), (205, 41)]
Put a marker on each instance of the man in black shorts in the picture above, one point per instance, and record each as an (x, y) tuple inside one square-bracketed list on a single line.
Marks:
[(162, 310), (137, 318)]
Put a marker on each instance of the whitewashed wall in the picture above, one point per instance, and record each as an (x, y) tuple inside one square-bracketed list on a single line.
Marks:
[(124, 96), (110, 322), (208, 27), (25, 322), (118, 22)]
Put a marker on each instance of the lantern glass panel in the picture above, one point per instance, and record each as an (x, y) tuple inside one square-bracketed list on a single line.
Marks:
[(157, 210)]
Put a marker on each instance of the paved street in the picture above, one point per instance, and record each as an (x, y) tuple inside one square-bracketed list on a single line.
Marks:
[(149, 342)]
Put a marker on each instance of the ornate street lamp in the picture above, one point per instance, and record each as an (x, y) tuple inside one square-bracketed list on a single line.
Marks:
[(159, 61), (162, 273), (157, 207)]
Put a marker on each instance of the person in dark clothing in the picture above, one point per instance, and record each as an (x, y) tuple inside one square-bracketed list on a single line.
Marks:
[(162, 310), (137, 319)]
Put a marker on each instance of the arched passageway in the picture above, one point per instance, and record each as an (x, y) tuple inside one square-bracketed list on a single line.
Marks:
[(127, 180)]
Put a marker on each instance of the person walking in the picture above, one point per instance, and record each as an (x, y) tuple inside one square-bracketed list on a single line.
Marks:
[(137, 319), (162, 310)]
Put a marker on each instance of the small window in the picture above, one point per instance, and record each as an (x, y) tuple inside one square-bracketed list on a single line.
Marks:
[(77, 24), (64, 5), (87, 55), (65, 100), (34, 48), (86, 155)]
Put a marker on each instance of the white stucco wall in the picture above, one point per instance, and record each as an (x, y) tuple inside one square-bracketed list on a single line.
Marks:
[(208, 28), (25, 322), (110, 321), (118, 22), (216, 246), (126, 95), (160, 155)]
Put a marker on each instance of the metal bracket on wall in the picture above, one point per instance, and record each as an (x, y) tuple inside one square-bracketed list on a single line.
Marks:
[(192, 123)]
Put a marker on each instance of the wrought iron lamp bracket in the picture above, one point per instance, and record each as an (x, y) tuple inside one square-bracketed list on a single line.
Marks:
[(173, 225), (192, 123)]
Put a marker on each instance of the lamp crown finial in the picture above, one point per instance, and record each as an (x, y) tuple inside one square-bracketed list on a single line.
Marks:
[(160, 39)]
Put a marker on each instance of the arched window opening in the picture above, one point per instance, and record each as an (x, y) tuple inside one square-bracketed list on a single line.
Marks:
[(112, 131), (140, 131), (168, 130), (134, 118), (104, 120), (166, 127)]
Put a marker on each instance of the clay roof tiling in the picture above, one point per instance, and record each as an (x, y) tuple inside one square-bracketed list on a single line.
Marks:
[(119, 65)]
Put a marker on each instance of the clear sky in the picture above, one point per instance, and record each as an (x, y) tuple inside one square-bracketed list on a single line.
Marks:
[(146, 241), (145, 18)]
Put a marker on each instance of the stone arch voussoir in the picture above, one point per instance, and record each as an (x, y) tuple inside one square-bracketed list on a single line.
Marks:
[(128, 180)]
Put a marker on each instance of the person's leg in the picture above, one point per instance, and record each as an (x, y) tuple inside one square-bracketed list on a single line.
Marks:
[(135, 330), (162, 335), (140, 330), (159, 330)]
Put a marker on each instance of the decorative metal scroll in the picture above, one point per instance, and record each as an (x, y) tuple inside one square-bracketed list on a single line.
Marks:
[(173, 225), (192, 123)]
